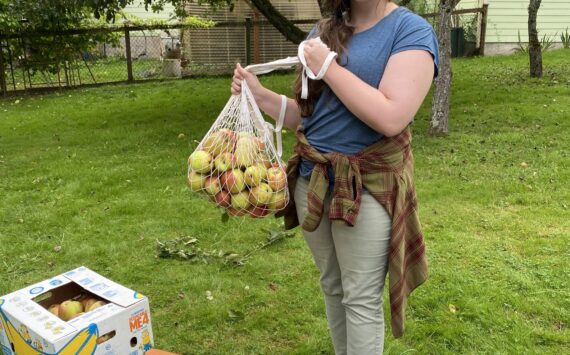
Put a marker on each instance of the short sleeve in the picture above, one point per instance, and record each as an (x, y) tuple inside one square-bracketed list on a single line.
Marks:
[(416, 33)]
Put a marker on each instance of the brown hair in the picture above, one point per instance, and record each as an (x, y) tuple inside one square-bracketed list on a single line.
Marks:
[(335, 32)]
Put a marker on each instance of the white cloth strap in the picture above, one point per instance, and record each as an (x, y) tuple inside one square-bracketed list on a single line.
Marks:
[(285, 63), (289, 62)]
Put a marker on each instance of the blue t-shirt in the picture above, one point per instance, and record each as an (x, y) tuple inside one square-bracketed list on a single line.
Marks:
[(332, 127)]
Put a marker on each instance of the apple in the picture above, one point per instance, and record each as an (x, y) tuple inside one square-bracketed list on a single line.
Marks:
[(258, 211), (233, 181), (95, 305), (247, 151), (260, 143), (69, 308), (276, 178), (224, 162), (266, 162), (260, 195), (253, 175), (212, 185), (88, 301), (278, 201), (196, 181), (54, 308), (223, 198), (200, 161), (236, 213), (219, 142), (240, 200)]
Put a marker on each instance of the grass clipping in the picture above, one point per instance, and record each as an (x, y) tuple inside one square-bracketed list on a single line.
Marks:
[(187, 248)]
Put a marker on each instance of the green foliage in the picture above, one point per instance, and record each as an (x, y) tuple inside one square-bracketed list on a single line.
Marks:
[(565, 38), (109, 8), (546, 43)]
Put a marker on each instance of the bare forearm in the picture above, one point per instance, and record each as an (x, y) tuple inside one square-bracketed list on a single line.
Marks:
[(270, 103), (367, 103)]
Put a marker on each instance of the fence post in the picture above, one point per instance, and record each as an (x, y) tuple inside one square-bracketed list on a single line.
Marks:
[(128, 54), (484, 12), (3, 89), (248, 27)]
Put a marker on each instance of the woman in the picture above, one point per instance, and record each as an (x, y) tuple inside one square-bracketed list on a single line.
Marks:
[(352, 174)]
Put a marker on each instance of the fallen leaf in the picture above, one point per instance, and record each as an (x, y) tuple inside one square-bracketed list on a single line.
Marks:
[(57, 248), (272, 286), (524, 164), (181, 135), (209, 296), (452, 308)]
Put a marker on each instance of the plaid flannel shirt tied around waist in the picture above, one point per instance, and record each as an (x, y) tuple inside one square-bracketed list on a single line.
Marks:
[(385, 169)]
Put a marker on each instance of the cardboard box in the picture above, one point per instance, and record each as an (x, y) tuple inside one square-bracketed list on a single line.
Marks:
[(121, 327)]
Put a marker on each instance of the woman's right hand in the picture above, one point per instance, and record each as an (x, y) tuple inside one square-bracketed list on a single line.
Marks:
[(253, 83)]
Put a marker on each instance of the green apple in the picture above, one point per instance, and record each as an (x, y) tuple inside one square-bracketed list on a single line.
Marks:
[(278, 201), (247, 152), (233, 181), (88, 301), (252, 175), (200, 161), (212, 185), (240, 200), (219, 142), (95, 305), (69, 308), (260, 195), (196, 181), (224, 162), (276, 178)]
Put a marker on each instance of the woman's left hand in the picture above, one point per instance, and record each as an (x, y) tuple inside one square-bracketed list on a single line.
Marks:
[(315, 54)]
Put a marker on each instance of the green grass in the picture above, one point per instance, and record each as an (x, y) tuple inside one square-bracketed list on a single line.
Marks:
[(101, 173)]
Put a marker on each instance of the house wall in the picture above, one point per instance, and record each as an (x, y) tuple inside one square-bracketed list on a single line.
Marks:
[(225, 46)]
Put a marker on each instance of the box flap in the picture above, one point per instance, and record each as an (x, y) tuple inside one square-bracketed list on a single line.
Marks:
[(20, 309), (44, 286), (103, 287)]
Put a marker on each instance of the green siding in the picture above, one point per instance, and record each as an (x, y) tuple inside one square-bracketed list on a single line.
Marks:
[(508, 17)]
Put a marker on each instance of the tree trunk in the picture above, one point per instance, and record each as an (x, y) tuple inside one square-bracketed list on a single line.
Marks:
[(534, 48), (325, 11), (442, 92), (281, 23)]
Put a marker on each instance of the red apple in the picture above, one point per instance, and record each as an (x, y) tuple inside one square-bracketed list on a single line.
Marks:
[(88, 301), (223, 199), (258, 211), (233, 181), (276, 178)]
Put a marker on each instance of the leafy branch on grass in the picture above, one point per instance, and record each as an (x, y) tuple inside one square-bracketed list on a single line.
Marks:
[(186, 248)]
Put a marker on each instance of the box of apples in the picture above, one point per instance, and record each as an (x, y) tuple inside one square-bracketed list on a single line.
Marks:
[(240, 172), (78, 312)]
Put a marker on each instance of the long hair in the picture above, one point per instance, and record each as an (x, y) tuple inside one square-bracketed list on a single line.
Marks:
[(335, 32)]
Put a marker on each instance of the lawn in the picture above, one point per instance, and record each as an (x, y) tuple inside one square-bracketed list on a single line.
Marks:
[(94, 177)]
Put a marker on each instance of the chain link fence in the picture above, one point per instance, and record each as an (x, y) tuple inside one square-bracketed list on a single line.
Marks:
[(83, 57)]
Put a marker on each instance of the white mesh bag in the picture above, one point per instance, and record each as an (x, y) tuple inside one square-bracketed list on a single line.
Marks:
[(238, 165)]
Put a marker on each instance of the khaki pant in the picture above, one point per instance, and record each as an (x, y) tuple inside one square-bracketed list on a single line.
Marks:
[(353, 262)]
